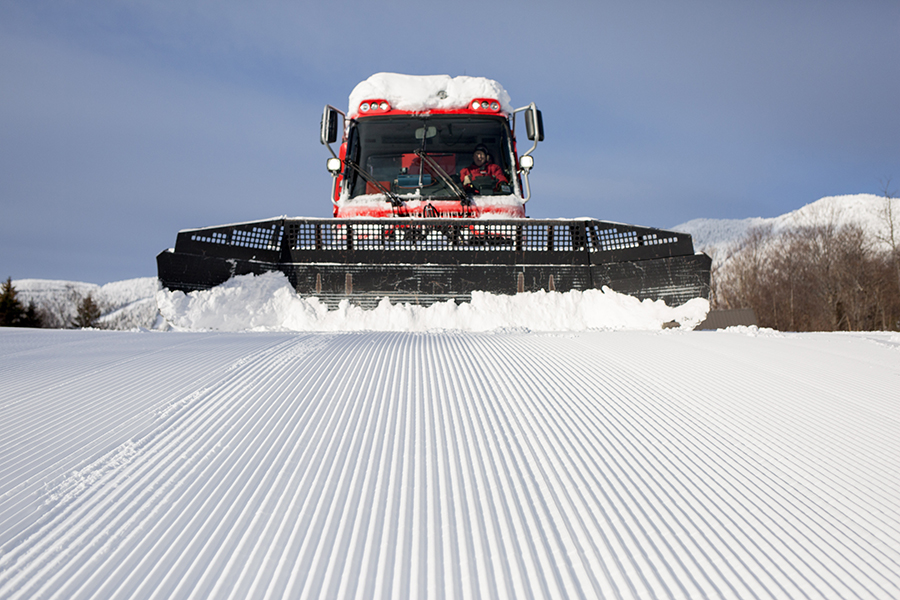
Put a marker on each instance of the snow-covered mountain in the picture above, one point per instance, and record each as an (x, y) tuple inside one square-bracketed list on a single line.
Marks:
[(872, 213), (124, 304)]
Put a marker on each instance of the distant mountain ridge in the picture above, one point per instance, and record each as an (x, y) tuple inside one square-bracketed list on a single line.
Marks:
[(127, 304), (717, 236)]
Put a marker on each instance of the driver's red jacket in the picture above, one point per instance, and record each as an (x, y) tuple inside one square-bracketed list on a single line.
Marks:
[(485, 170)]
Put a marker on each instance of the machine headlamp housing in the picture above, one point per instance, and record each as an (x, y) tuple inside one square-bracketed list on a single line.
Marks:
[(485, 105), (374, 106)]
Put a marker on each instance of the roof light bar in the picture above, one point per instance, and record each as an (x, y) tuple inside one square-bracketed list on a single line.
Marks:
[(377, 105), (485, 105)]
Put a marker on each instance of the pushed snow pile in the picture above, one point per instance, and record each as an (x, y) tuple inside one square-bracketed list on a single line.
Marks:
[(269, 303), (421, 93)]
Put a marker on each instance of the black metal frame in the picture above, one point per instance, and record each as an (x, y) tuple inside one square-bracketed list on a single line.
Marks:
[(430, 260)]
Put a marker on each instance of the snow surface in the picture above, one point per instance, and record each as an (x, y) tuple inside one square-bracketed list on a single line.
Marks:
[(420, 93), (630, 464)]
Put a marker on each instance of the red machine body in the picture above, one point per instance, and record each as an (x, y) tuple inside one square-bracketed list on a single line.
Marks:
[(403, 150)]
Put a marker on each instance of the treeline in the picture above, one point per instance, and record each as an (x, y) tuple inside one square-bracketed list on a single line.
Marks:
[(14, 314), (817, 278)]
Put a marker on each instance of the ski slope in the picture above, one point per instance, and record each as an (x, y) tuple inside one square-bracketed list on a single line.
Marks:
[(585, 464)]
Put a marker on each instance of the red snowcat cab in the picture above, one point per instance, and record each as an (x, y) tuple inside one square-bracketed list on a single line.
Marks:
[(408, 141)]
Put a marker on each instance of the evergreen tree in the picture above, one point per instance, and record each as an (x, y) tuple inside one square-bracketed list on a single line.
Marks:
[(88, 313), (11, 310), (32, 317)]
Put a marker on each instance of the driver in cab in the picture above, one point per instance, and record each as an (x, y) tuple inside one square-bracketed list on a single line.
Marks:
[(481, 167)]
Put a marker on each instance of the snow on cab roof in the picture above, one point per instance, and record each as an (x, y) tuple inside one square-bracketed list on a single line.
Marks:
[(419, 93)]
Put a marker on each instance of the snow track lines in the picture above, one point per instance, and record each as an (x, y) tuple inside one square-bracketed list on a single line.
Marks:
[(449, 465)]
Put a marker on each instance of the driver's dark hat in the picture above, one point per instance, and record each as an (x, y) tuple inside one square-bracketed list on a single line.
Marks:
[(481, 147)]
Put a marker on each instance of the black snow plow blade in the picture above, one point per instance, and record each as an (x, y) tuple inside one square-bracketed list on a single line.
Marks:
[(423, 261)]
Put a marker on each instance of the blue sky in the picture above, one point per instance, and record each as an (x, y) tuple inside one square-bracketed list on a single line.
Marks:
[(123, 122)]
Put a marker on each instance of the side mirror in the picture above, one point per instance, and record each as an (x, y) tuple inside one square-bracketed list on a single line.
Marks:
[(534, 125), (329, 126)]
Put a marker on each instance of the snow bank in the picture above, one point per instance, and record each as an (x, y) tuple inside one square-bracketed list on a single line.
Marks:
[(421, 93), (269, 303)]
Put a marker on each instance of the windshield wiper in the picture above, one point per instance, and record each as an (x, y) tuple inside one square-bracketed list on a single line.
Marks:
[(442, 175), (393, 198)]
